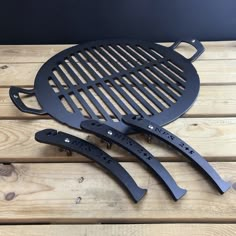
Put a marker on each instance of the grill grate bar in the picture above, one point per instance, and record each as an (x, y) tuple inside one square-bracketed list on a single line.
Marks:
[(141, 56), (171, 68), (128, 87), (143, 102), (162, 79), (156, 89), (134, 55), (121, 61), (134, 82), (167, 79), (115, 53), (175, 72), (125, 55), (82, 68), (77, 94), (66, 92), (153, 88), (102, 62), (87, 67), (88, 60), (111, 61), (149, 58), (110, 65), (95, 63), (77, 78), (148, 54), (81, 72), (161, 86), (170, 74), (107, 88), (108, 103), (63, 92), (174, 68), (125, 96), (156, 53), (107, 64), (116, 100), (152, 52), (57, 83), (136, 95), (167, 64), (114, 57), (124, 103), (147, 95), (93, 100)]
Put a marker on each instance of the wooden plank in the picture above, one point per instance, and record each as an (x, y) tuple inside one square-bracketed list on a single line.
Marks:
[(18, 74), (214, 138), (28, 53), (57, 193), (210, 72), (216, 71), (41, 53), (121, 230), (212, 101)]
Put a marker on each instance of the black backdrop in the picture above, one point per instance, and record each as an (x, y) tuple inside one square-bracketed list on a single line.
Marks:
[(73, 21)]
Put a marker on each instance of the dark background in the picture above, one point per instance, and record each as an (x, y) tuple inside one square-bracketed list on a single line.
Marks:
[(74, 21)]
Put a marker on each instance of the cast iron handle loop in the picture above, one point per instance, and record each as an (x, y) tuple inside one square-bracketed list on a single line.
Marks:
[(75, 144), (195, 43), (169, 138), (15, 97), (112, 135)]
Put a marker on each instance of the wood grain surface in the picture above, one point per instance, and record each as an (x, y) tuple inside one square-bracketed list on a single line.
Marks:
[(23, 74), (41, 185), (213, 101), (18, 144), (121, 230), (68, 192), (41, 53)]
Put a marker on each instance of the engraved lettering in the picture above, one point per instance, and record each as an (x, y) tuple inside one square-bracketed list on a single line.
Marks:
[(181, 144), (158, 129), (186, 148), (164, 133)]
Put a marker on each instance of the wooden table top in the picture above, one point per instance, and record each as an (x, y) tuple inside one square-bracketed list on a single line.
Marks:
[(39, 184)]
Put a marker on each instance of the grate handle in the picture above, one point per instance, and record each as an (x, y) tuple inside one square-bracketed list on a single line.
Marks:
[(195, 43), (112, 135), (15, 97), (169, 138), (75, 144)]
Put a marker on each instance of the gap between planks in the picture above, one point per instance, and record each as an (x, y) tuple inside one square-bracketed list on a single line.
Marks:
[(210, 72), (213, 101), (213, 138), (121, 230)]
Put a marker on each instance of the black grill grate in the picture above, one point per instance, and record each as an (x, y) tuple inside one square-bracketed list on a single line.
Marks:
[(108, 81), (105, 80)]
